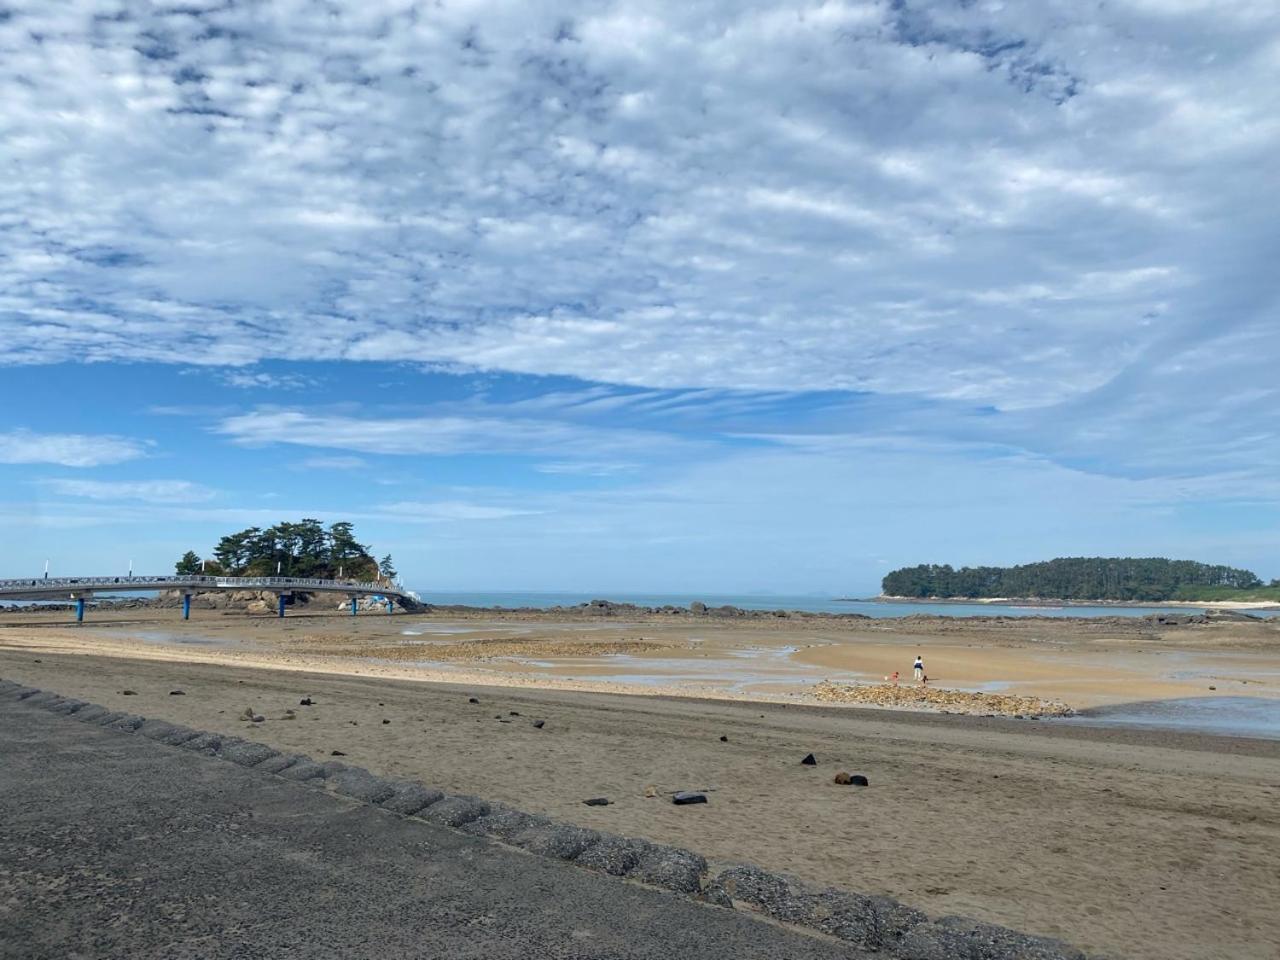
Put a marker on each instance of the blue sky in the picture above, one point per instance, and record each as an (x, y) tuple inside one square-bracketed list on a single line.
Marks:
[(673, 297)]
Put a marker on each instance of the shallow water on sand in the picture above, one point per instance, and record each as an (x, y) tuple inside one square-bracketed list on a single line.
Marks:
[(1226, 716)]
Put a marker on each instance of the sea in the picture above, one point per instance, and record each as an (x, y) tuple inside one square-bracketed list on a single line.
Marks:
[(812, 603)]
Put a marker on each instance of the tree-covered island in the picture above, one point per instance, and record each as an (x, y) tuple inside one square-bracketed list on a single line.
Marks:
[(1082, 578), (302, 549)]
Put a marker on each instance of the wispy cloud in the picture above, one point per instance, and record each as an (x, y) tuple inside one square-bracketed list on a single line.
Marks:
[(68, 449), (333, 463), (148, 491), (438, 435)]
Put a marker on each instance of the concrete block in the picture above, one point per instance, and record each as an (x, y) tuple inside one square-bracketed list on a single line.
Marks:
[(281, 761), (961, 938), (303, 770), (360, 784), (670, 867), (409, 798), (156, 729), (246, 753), (91, 712), (67, 707), (616, 856), (129, 722), (204, 742), (454, 811), (874, 923), (561, 841)]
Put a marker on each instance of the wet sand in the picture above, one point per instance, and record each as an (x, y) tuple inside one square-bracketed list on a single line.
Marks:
[(1130, 843)]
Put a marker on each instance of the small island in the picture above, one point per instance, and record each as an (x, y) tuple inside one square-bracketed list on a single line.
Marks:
[(1084, 579)]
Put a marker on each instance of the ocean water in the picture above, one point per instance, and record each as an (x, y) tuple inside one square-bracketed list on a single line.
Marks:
[(1224, 716), (812, 604)]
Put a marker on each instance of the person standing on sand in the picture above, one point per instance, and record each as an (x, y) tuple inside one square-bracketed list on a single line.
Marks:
[(918, 668)]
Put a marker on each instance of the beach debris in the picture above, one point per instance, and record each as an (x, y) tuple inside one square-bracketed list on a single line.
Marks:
[(650, 791), (129, 693), (809, 760), (472, 700), (851, 779), (177, 693), (248, 713), (597, 802), (514, 713), (688, 796), (539, 724), (842, 778), (336, 753), (724, 739), (258, 718), (858, 780), (386, 721), (306, 702), (1213, 688)]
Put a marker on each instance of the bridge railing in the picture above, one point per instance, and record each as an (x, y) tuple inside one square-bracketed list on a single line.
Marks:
[(177, 582)]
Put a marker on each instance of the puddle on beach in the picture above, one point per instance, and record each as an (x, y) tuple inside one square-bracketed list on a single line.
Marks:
[(1224, 716)]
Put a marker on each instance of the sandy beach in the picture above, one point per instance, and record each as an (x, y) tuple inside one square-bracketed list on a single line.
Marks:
[(1125, 842)]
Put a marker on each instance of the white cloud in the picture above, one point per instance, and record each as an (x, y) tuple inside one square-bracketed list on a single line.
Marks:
[(444, 434), (979, 202), (333, 463), (432, 511), (68, 449), (148, 491)]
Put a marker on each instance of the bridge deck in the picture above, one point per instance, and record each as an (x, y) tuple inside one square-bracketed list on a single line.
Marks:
[(82, 588)]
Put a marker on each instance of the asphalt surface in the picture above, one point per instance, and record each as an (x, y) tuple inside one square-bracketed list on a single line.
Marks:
[(113, 845)]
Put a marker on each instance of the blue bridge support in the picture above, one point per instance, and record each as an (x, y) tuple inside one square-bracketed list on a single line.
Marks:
[(79, 609), (355, 605), (282, 605), (186, 606)]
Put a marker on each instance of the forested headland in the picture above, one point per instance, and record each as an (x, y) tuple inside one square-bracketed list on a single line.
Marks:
[(302, 549), (1082, 578)]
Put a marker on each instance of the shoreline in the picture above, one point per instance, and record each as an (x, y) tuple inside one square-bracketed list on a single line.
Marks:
[(1045, 602)]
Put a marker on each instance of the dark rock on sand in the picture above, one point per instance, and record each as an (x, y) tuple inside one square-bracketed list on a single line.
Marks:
[(472, 700), (597, 802), (306, 702), (688, 796), (336, 753), (539, 724), (177, 693), (128, 693), (810, 760)]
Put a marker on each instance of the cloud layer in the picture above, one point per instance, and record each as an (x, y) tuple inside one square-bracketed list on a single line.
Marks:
[(995, 204)]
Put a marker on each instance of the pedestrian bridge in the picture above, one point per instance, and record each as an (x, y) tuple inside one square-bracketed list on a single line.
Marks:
[(81, 589)]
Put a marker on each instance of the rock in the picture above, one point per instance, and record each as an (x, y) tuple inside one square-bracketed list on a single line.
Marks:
[(1213, 688), (177, 693), (129, 693), (650, 791), (597, 802), (724, 739), (258, 718), (858, 780), (688, 796), (809, 760), (698, 608), (248, 713), (306, 702), (386, 721), (843, 778), (514, 713), (539, 724), (336, 753), (472, 700)]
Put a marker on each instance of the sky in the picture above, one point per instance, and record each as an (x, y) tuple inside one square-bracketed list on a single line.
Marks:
[(676, 297)]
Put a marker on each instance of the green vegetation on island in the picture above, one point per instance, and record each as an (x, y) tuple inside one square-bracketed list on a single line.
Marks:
[(302, 549), (1083, 578)]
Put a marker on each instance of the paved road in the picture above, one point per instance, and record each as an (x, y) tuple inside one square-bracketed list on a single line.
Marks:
[(113, 845)]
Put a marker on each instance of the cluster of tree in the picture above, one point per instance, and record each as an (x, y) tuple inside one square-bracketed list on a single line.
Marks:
[(1068, 578), (301, 549)]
